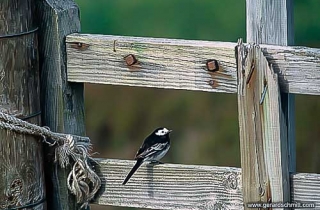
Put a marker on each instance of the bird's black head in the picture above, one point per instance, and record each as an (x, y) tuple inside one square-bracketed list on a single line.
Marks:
[(161, 132)]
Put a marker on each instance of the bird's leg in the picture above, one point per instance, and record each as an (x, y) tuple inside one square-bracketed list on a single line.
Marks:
[(155, 162)]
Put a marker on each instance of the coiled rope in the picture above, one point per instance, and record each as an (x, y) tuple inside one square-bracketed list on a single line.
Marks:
[(82, 180)]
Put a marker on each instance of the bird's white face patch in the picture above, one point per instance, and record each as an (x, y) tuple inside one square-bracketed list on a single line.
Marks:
[(162, 132)]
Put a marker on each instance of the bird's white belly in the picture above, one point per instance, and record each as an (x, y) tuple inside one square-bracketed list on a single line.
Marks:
[(162, 154)]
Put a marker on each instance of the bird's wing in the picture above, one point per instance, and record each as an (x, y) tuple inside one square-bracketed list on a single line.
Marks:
[(143, 153)]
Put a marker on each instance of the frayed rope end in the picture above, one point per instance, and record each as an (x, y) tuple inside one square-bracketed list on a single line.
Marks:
[(82, 181)]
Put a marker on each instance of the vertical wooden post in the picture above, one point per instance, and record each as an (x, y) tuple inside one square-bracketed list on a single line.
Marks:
[(266, 133), (21, 157), (62, 103), (271, 22)]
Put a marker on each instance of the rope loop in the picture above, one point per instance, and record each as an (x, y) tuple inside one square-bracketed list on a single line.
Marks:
[(82, 180)]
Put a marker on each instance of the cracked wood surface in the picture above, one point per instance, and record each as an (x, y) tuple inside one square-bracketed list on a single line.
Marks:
[(186, 187), (181, 64)]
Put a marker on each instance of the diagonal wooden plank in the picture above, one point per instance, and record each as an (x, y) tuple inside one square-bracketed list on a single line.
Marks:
[(181, 64)]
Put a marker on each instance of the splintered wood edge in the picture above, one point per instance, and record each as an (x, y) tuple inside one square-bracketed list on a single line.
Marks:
[(181, 64), (176, 186)]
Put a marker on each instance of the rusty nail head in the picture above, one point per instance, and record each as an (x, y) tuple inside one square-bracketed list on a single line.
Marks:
[(130, 59), (79, 45), (212, 65)]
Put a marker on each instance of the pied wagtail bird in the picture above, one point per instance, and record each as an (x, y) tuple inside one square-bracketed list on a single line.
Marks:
[(154, 147)]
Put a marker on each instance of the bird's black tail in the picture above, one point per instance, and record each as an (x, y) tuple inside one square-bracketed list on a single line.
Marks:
[(135, 167)]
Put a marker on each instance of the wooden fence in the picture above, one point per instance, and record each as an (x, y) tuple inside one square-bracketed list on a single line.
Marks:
[(264, 77)]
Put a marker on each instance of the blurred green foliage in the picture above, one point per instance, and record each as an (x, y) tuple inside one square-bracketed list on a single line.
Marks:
[(205, 125), (187, 19)]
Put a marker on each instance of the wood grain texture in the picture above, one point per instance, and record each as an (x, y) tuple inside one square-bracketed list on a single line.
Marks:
[(264, 154), (181, 64), (22, 179), (162, 63), (170, 186), (62, 102), (305, 188), (271, 22), (194, 187)]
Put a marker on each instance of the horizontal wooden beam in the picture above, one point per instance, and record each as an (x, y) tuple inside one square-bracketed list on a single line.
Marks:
[(182, 64), (305, 188), (169, 186), (175, 186), (161, 63)]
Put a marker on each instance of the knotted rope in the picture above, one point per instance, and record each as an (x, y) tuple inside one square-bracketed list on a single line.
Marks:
[(82, 181)]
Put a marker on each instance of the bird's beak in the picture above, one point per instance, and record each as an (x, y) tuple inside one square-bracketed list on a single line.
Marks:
[(169, 131)]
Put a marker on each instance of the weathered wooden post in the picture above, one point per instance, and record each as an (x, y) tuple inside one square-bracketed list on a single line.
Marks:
[(62, 103), (21, 158), (266, 130)]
